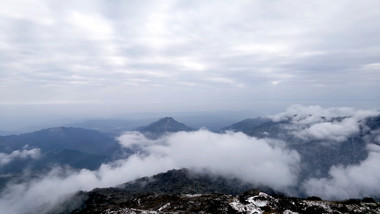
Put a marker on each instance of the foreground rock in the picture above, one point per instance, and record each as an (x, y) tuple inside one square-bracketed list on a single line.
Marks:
[(117, 201)]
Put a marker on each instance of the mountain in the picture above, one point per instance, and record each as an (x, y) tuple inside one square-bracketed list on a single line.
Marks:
[(183, 191), (163, 126)]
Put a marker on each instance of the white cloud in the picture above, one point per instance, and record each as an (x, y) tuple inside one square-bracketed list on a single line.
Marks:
[(259, 161), (336, 131), (93, 26), (135, 139), (306, 115), (354, 181), (19, 154), (315, 122)]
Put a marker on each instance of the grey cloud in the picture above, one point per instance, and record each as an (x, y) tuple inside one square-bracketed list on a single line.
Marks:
[(261, 51)]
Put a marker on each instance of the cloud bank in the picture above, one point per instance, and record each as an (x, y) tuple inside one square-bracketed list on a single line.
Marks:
[(256, 161), (317, 123)]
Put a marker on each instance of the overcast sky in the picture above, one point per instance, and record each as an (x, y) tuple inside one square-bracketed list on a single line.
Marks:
[(113, 57)]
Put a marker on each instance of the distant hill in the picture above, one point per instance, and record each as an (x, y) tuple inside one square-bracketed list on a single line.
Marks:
[(61, 146), (74, 147), (163, 126), (111, 127), (61, 138)]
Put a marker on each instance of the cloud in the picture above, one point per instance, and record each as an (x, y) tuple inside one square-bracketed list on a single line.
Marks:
[(40, 195), (317, 123), (354, 181), (92, 51), (134, 139), (335, 131), (19, 154), (258, 161), (329, 126), (307, 115)]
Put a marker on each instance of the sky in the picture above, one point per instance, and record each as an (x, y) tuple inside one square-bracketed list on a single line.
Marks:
[(105, 58)]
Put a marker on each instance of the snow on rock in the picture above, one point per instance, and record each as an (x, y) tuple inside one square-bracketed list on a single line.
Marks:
[(254, 205), (245, 208), (289, 212)]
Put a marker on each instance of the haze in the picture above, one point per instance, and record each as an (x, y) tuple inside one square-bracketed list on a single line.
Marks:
[(83, 59)]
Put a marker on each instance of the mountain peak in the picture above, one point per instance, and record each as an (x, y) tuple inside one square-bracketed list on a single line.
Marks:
[(162, 126), (167, 119)]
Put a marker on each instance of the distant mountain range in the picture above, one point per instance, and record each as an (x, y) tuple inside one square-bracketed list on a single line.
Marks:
[(75, 147), (61, 138), (83, 148), (111, 127)]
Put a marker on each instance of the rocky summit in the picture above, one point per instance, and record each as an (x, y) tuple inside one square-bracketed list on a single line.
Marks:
[(196, 193)]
